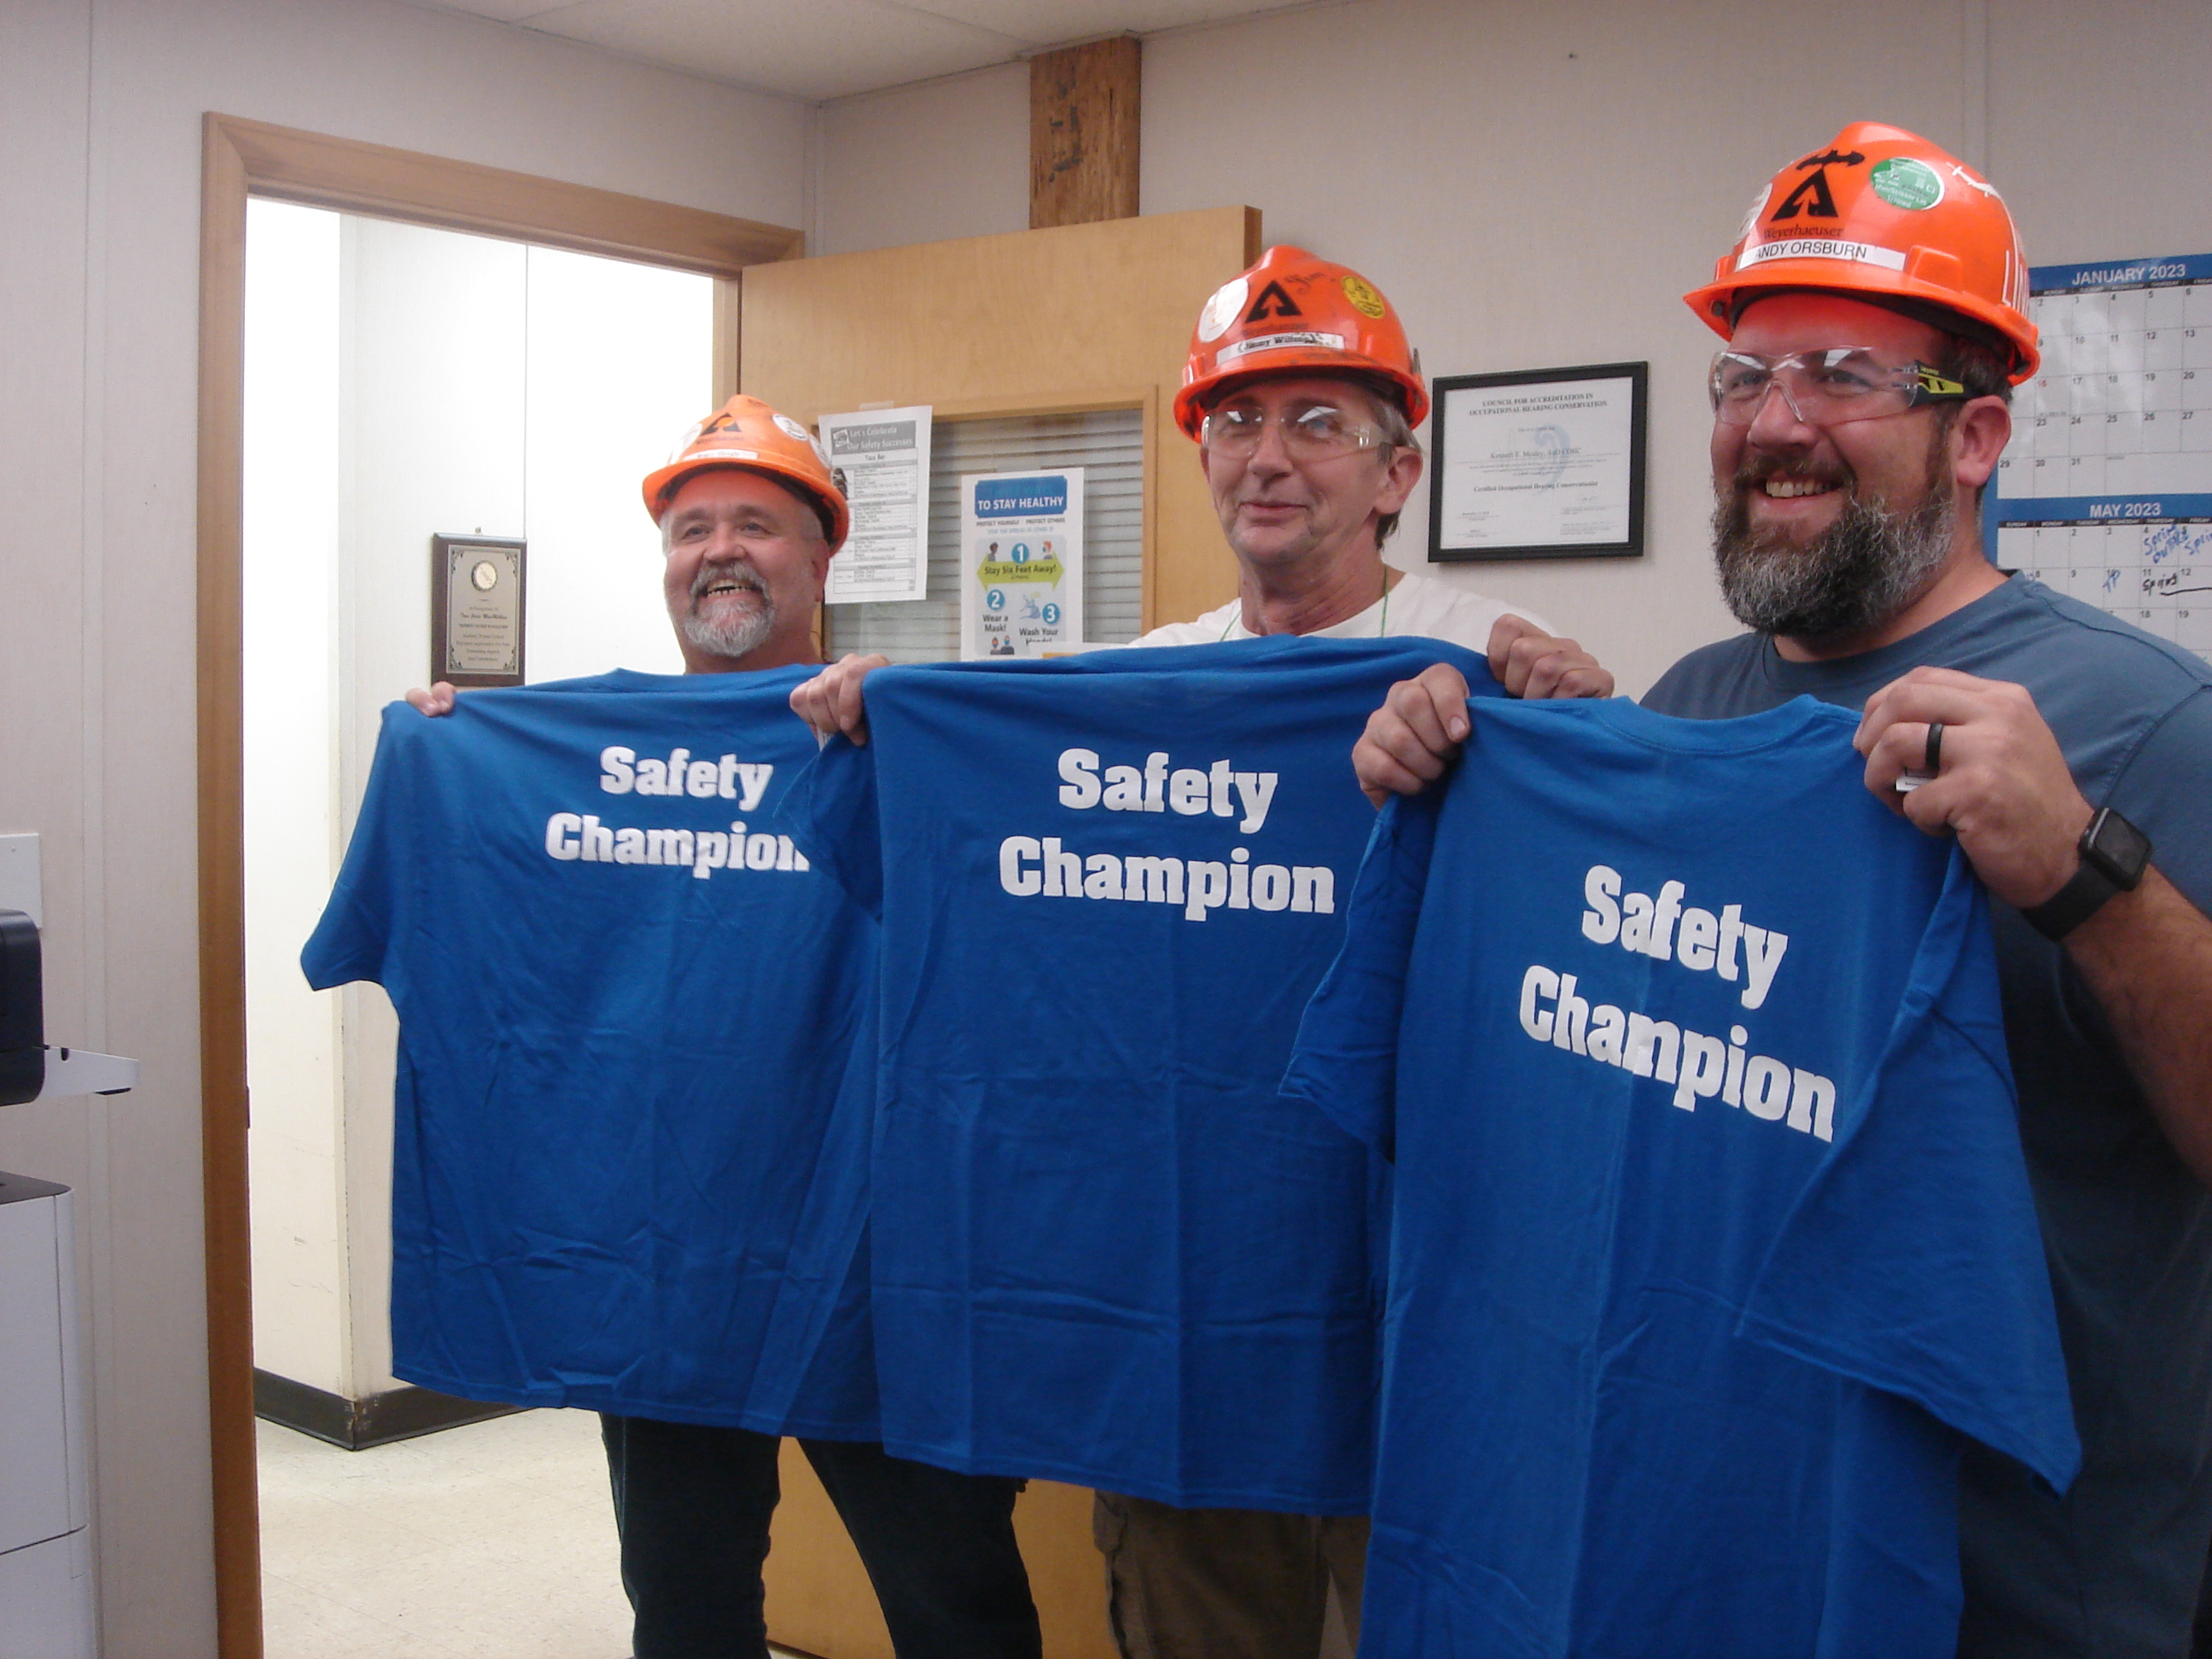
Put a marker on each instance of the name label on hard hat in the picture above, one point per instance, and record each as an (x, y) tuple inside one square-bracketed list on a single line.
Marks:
[(1821, 247), (1288, 342)]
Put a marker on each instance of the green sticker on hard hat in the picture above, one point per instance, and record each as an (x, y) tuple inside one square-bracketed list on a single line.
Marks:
[(1904, 183)]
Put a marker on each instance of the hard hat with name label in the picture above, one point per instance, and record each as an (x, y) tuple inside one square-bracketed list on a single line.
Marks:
[(1293, 314), (1882, 215), (746, 432)]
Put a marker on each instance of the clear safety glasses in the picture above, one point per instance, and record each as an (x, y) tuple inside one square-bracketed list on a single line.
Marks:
[(1825, 388), (1309, 434)]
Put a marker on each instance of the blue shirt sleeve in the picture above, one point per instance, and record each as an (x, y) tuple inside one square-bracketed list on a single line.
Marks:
[(1345, 1061), (2164, 793), (831, 814), (353, 939), (1912, 1261)]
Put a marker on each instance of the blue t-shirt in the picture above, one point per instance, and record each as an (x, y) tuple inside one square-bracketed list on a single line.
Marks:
[(2112, 1571), (1712, 1232), (1105, 1250), (629, 1168)]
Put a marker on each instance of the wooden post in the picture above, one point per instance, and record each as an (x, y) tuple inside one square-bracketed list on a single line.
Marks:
[(1083, 133)]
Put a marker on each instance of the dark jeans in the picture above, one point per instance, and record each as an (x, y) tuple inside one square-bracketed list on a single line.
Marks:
[(692, 1507)]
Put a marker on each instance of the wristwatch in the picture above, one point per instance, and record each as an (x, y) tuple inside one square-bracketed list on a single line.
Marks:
[(2114, 854)]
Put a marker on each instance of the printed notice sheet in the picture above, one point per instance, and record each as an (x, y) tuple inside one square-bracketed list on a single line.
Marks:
[(883, 455), (1542, 466), (1021, 539), (2105, 489)]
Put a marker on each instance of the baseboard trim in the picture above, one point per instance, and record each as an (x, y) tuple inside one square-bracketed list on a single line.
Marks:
[(400, 1413)]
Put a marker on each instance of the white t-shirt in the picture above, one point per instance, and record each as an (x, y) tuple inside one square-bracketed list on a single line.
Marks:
[(1418, 605)]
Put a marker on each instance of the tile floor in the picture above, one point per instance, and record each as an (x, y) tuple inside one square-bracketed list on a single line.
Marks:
[(490, 1542)]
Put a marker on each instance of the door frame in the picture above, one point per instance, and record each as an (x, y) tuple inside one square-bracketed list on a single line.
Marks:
[(241, 159)]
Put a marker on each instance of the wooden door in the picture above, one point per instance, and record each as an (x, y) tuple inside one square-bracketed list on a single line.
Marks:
[(1080, 317)]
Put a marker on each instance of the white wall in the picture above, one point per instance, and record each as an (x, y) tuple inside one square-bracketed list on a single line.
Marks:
[(293, 311), (100, 103), (1536, 185), (618, 364), (925, 163)]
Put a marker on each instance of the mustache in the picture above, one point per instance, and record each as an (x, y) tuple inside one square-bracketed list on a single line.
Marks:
[(1757, 469), (734, 572)]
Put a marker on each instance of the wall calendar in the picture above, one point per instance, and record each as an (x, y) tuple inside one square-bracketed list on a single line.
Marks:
[(2106, 490)]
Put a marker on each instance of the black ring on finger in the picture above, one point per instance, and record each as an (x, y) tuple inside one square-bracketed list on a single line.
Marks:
[(1932, 761)]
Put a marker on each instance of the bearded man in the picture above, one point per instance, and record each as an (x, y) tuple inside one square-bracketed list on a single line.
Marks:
[(1874, 308), (751, 513)]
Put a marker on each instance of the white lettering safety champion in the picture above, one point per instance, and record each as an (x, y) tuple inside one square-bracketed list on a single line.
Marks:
[(1043, 866), (583, 838), (1552, 1009)]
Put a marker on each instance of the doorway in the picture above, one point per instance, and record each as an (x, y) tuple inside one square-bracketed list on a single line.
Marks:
[(242, 160), (1070, 321), (404, 383)]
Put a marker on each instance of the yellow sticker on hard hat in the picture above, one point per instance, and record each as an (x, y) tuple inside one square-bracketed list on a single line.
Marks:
[(1365, 297)]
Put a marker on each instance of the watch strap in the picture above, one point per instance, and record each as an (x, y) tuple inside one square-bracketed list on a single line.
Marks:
[(2072, 905), (2114, 854)]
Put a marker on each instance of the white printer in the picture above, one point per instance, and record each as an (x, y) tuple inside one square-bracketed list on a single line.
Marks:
[(47, 1609), (45, 1545)]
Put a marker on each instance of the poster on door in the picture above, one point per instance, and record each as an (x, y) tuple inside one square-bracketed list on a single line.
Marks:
[(1021, 536), (883, 455)]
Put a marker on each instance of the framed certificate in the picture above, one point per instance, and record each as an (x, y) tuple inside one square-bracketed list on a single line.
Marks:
[(1540, 464), (476, 611)]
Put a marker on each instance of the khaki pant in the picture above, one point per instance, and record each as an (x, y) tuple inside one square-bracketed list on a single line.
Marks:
[(1226, 1583)]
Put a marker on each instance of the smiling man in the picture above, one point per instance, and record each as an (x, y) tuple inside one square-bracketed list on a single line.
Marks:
[(1302, 393), (751, 515), (1873, 312)]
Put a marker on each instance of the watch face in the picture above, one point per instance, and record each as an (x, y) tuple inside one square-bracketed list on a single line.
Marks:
[(485, 575), (2116, 848)]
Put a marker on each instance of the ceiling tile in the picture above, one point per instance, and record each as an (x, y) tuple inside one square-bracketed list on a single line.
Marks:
[(1045, 22), (833, 48), (819, 49), (499, 11)]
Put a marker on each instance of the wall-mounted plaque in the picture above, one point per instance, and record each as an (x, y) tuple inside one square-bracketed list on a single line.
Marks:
[(1541, 463), (476, 611)]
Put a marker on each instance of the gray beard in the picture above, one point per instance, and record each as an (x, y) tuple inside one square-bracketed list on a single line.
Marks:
[(725, 635), (1859, 573)]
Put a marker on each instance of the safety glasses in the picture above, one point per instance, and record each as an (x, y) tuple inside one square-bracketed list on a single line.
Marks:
[(1312, 434), (1825, 388)]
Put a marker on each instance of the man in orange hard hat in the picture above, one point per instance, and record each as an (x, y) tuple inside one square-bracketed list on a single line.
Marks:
[(1302, 393), (1874, 308), (751, 515)]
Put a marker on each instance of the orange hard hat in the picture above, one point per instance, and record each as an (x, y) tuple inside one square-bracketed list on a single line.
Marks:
[(1883, 215), (1293, 314), (746, 432)]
